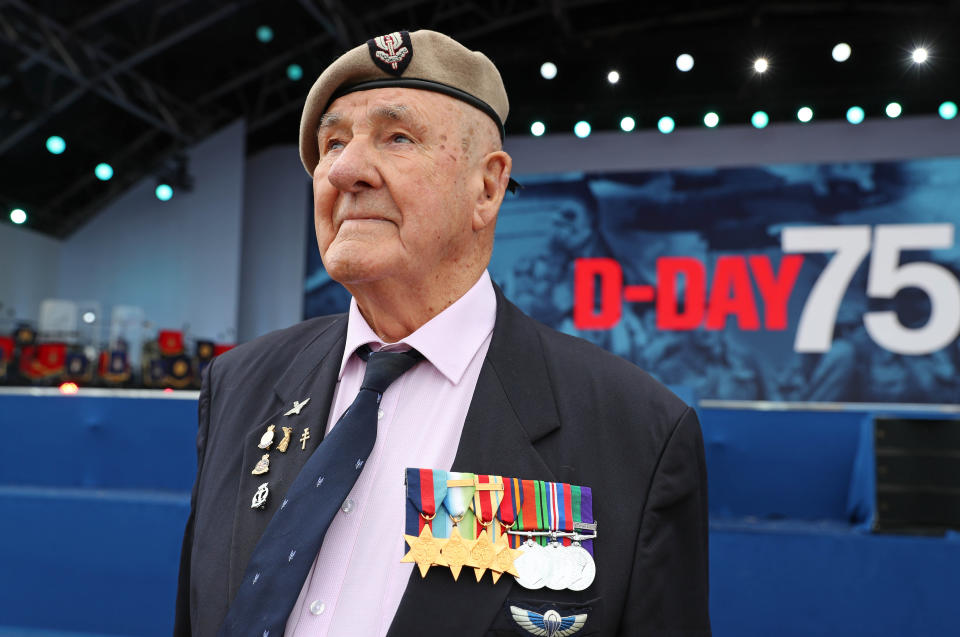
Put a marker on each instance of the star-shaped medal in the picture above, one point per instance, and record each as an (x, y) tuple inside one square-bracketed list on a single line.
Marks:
[(297, 406), (456, 552), (482, 553), (424, 550), (503, 559)]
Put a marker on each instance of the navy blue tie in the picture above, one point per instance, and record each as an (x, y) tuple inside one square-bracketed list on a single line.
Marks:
[(282, 558)]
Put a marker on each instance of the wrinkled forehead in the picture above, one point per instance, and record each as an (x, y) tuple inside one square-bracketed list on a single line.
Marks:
[(430, 111)]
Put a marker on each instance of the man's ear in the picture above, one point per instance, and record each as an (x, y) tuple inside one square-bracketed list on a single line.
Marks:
[(495, 174)]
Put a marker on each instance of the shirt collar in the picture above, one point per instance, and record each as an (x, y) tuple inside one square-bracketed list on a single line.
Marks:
[(449, 340)]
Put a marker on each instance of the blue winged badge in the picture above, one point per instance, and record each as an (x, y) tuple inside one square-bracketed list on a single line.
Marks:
[(550, 624)]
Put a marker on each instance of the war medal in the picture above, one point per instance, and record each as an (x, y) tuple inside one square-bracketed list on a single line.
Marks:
[(488, 493), (263, 465), (285, 442), (505, 555), (456, 552), (267, 438), (426, 490)]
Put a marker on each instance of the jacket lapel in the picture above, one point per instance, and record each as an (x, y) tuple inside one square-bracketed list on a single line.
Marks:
[(512, 408), (312, 374)]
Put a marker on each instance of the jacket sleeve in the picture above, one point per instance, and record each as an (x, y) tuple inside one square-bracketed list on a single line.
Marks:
[(669, 586), (182, 624)]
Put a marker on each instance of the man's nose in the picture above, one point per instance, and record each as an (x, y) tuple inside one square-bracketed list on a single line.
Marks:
[(355, 168)]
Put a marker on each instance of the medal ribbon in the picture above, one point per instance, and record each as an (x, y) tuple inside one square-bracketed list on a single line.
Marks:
[(460, 488), (510, 507), (583, 511), (426, 489), (487, 496)]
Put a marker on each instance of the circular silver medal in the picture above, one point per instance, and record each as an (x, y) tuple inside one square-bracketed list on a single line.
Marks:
[(530, 565), (560, 566), (582, 568)]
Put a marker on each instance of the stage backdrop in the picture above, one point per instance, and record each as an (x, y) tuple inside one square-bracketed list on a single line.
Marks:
[(799, 282)]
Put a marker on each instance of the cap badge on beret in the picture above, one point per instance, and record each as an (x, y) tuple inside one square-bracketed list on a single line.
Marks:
[(392, 52)]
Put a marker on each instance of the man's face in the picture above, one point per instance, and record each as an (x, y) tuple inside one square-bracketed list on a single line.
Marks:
[(395, 187)]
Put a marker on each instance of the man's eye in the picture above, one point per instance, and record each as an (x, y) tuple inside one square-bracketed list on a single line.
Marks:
[(400, 138), (333, 144)]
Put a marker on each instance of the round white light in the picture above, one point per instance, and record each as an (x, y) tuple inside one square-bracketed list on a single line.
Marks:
[(948, 110), (666, 125), (103, 171), (684, 62), (841, 52), (89, 317), (893, 110), (855, 115), (805, 114), (548, 70), (711, 119), (538, 128), (760, 65), (760, 119), (613, 77), (627, 124), (581, 129), (920, 55), (18, 216)]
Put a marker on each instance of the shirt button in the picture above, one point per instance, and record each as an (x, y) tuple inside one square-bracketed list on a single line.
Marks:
[(347, 505), (317, 607), (379, 414)]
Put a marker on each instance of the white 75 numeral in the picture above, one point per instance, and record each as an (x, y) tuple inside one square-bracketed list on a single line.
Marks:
[(885, 278)]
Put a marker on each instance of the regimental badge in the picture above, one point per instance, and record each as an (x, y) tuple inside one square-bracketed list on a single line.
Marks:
[(263, 465), (297, 406), (549, 624), (285, 442), (392, 52), (260, 497), (267, 438)]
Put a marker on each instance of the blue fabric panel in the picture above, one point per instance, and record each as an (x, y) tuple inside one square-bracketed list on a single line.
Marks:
[(805, 580), (77, 441)]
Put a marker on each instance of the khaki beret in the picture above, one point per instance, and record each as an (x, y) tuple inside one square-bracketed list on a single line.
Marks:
[(423, 59)]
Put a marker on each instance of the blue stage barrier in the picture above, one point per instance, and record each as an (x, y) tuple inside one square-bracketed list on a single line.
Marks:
[(95, 493)]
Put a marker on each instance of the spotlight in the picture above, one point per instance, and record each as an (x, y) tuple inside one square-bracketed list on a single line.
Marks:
[(581, 129), (18, 216), (805, 114), (548, 70), (855, 115), (89, 317), (711, 119), (841, 52), (760, 119), (613, 77), (56, 145), (760, 65), (627, 124), (893, 110), (666, 125), (537, 129), (69, 389), (920, 55), (684, 62), (103, 171), (164, 192), (294, 72), (948, 110), (264, 33)]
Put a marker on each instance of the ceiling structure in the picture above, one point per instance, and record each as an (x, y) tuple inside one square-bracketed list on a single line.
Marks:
[(134, 83)]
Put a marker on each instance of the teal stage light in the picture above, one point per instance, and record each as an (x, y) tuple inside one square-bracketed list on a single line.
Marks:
[(56, 144), (295, 72), (264, 33), (627, 124), (581, 129), (855, 115), (805, 114), (18, 216), (103, 171), (948, 110), (893, 110), (711, 119), (164, 192), (760, 119), (538, 128), (666, 125)]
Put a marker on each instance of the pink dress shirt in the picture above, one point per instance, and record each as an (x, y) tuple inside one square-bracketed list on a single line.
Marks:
[(357, 580)]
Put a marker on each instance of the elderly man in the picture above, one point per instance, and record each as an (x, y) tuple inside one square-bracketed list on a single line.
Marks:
[(298, 514)]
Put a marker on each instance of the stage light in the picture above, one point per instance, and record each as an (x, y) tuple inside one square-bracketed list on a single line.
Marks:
[(948, 110), (711, 119), (56, 145), (264, 33), (164, 192), (68, 389), (760, 65), (103, 171), (760, 119), (805, 114), (666, 125), (893, 110), (89, 318), (613, 77), (548, 70), (537, 129), (294, 72), (684, 62), (920, 55), (167, 390), (855, 115), (18, 216), (841, 52), (627, 124), (581, 129)]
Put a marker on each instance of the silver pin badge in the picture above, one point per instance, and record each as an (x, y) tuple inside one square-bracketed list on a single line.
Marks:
[(297, 406), (260, 497)]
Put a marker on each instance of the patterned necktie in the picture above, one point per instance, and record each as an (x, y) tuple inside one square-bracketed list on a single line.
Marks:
[(282, 558)]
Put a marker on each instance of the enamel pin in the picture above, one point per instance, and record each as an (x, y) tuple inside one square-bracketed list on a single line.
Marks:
[(260, 497), (304, 437), (263, 465), (267, 438), (549, 624), (285, 442)]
